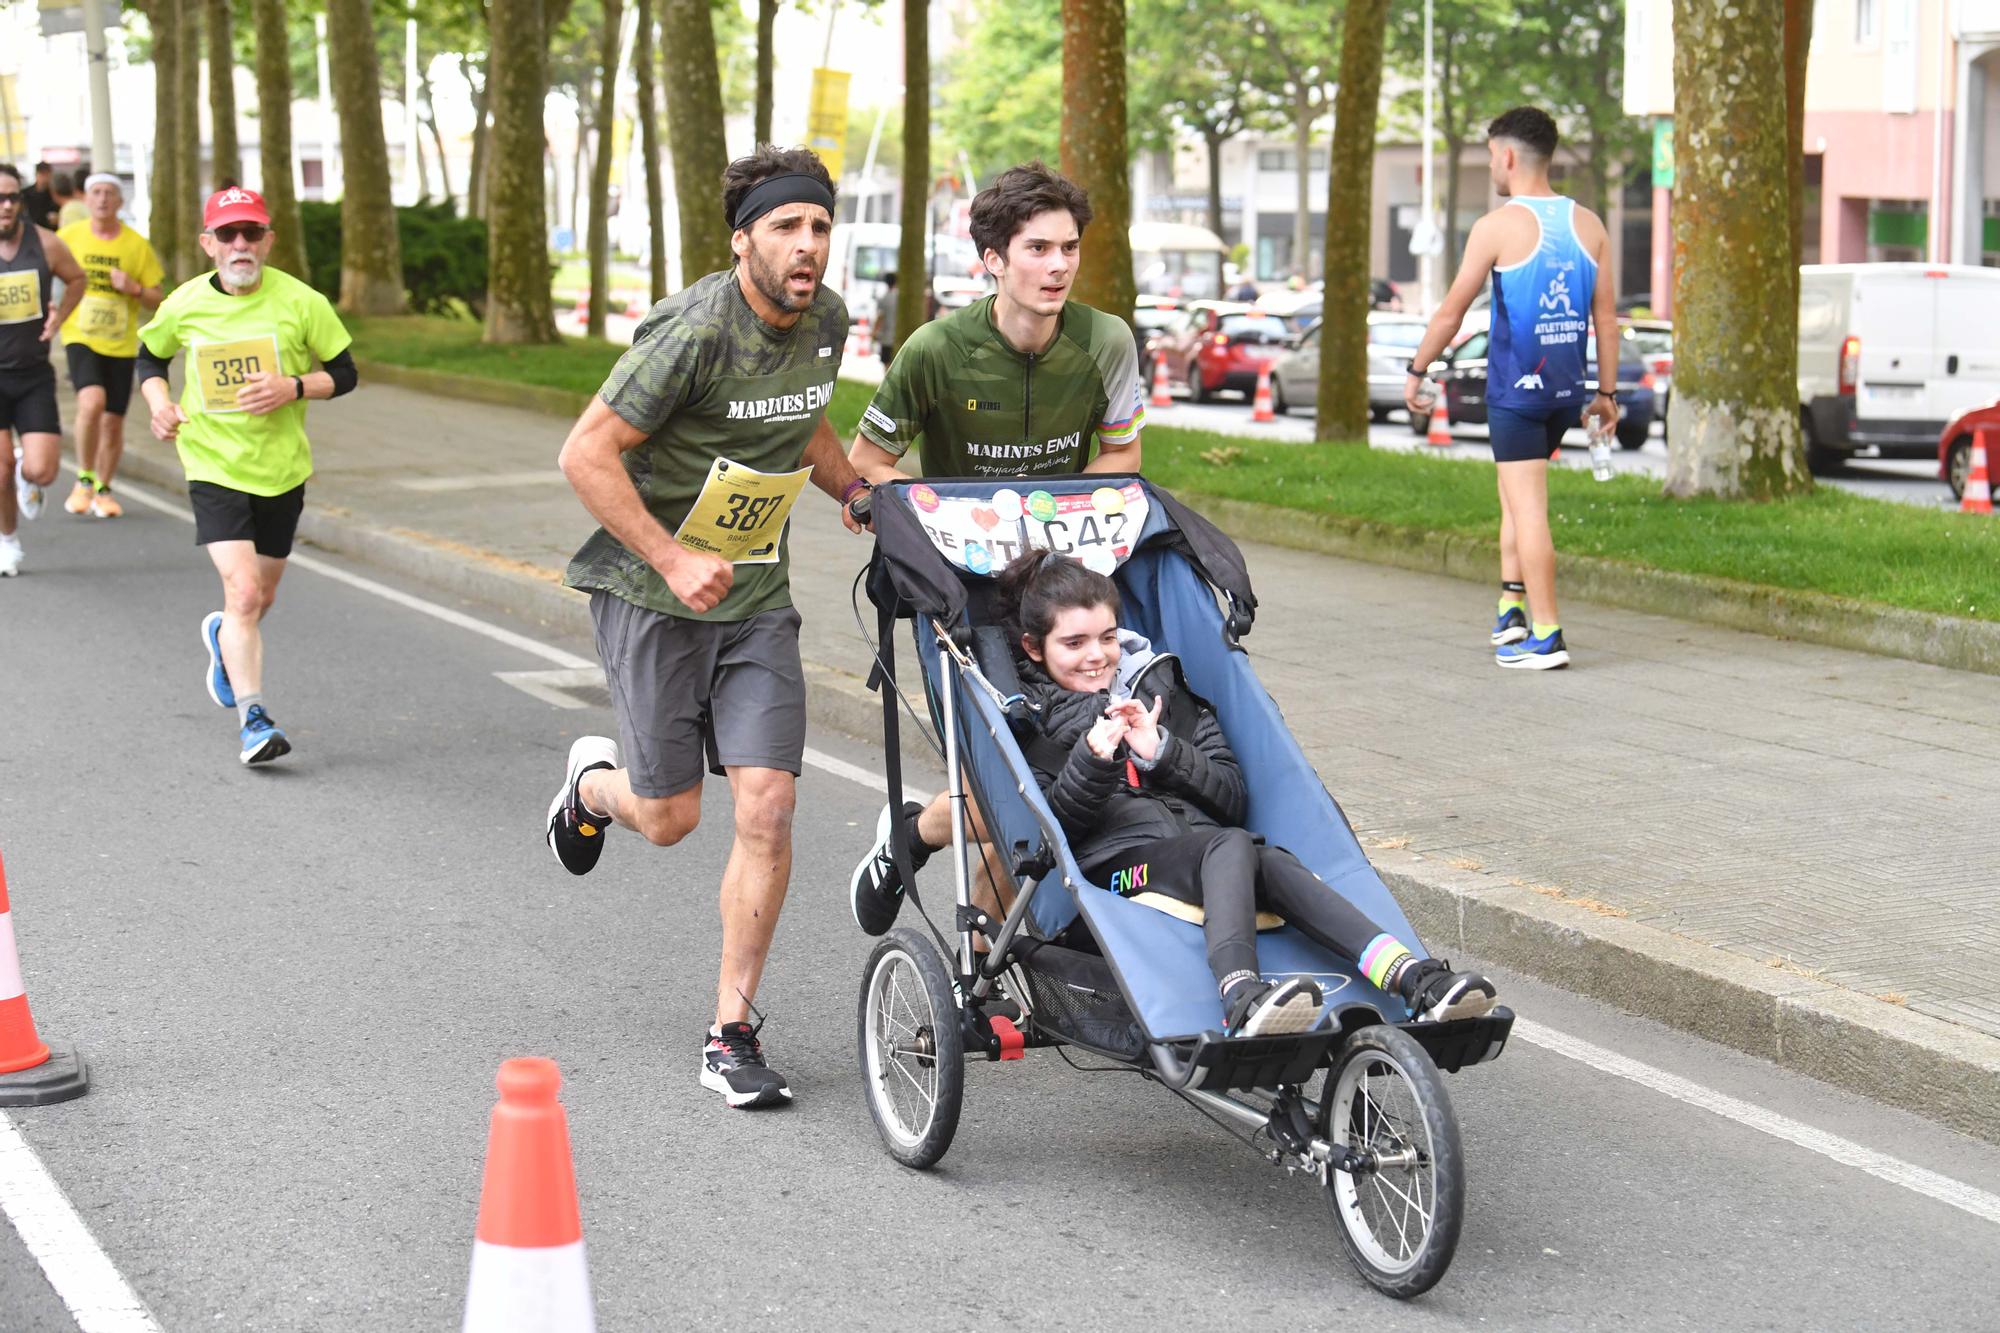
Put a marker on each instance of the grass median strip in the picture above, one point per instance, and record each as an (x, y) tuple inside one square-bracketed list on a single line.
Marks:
[(1832, 541)]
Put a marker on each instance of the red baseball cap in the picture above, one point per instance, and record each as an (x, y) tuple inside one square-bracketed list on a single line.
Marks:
[(234, 204)]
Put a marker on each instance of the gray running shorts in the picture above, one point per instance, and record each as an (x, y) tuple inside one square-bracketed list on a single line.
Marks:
[(695, 694)]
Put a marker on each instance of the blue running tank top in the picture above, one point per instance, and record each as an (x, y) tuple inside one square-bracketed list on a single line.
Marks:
[(1541, 316)]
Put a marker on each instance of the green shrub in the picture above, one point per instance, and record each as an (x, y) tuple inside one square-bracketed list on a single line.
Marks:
[(444, 255)]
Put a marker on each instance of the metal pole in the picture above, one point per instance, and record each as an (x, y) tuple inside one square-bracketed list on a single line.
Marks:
[(868, 165), (1427, 262), (826, 49), (103, 152), (412, 183), (329, 151), (1938, 221)]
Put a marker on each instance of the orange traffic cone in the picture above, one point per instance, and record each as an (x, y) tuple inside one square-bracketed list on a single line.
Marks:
[(862, 346), (1163, 394), (1260, 407), (31, 1074), (1978, 497), (528, 1270), (1440, 425)]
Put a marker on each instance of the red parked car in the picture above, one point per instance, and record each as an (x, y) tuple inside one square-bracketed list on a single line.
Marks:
[(1222, 347), (1955, 446)]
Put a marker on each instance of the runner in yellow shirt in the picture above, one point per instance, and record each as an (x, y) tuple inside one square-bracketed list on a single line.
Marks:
[(101, 338), (251, 334)]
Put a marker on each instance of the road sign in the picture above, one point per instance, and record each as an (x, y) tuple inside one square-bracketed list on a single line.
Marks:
[(826, 121), (1663, 153)]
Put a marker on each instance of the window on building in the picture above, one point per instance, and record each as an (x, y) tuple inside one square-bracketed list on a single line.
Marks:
[(1867, 22), (1275, 159), (312, 174)]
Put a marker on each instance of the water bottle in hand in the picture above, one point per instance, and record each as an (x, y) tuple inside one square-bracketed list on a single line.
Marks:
[(1600, 449), (1427, 393)]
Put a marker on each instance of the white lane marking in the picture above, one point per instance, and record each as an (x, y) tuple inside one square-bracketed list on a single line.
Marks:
[(480, 481), (463, 621), (552, 687), (98, 1297), (1930, 1184)]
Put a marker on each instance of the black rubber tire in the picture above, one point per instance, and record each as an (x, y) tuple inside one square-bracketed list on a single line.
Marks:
[(1378, 414), (1381, 1044), (1279, 407), (1195, 388), (904, 952), (1633, 437), (1958, 465), (1420, 424)]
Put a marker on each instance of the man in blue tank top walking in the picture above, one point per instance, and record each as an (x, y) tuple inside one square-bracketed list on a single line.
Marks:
[(1546, 257)]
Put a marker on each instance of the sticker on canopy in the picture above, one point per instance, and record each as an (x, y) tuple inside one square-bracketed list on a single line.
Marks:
[(982, 534)]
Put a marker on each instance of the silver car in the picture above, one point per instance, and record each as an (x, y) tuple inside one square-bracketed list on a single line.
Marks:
[(1391, 340)]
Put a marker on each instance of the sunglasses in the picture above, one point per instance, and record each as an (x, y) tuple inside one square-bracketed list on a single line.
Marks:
[(10, 196), (229, 233)]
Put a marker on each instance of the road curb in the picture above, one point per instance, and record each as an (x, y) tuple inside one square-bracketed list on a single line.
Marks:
[(1854, 1041), (477, 388), (1783, 613)]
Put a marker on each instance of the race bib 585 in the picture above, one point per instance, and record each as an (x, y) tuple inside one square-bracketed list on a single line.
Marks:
[(20, 297)]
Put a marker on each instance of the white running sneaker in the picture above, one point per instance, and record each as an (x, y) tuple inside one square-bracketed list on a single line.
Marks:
[(29, 495), (10, 557)]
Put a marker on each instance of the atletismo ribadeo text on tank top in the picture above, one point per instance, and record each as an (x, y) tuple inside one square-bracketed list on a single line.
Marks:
[(1541, 316)]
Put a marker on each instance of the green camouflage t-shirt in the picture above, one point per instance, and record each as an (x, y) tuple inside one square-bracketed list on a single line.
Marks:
[(707, 378), (978, 408)]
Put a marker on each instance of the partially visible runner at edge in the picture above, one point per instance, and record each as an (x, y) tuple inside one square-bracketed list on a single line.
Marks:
[(690, 457), (252, 334), (1548, 258), (1017, 384), (31, 257), (101, 339)]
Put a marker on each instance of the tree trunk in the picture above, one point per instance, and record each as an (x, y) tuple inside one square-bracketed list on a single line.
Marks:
[(187, 129), (371, 257), (1452, 149), (1094, 153), (694, 130), (518, 306), (437, 138), (1343, 337), (475, 176), (579, 167), (1214, 142), (167, 222), (767, 23), (274, 136), (228, 156), (600, 174), (1798, 45), (1734, 431), (913, 284), (1302, 124), (649, 149)]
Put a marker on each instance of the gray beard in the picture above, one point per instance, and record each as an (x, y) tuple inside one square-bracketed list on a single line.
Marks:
[(239, 287)]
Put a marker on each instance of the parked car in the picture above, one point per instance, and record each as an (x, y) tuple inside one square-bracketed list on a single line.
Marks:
[(1301, 313), (1180, 341), (1955, 446), (1462, 373), (1890, 353), (1656, 346), (1154, 318), (1230, 357), (1391, 340)]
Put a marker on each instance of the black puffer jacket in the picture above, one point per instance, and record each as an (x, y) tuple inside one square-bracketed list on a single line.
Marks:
[(1194, 783)]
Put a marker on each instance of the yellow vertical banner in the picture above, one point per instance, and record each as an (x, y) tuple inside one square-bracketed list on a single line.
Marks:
[(621, 147), (13, 129), (826, 121)]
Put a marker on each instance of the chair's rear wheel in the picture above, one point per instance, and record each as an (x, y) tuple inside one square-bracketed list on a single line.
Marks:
[(912, 1048), (1399, 1213)]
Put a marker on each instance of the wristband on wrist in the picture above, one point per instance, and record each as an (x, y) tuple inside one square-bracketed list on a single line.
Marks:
[(1412, 368), (1606, 393), (299, 384), (858, 484)]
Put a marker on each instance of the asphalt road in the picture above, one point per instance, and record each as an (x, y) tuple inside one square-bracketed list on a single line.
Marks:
[(294, 985)]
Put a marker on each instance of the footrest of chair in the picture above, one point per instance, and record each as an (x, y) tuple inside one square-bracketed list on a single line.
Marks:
[(1217, 1063), (1464, 1041)]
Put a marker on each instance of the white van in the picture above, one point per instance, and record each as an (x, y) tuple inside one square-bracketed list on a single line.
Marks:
[(862, 253), (1888, 353)]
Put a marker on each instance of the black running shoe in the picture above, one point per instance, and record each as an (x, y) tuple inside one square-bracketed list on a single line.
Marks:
[(1274, 1008), (576, 835), (1437, 994), (876, 889), (733, 1065)]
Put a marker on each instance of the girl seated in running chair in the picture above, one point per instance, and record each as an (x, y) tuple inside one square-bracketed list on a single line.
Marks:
[(1152, 802)]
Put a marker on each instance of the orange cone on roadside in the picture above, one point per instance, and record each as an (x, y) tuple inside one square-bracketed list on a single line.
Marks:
[(862, 346), (1260, 407), (31, 1074), (1163, 394), (1440, 434), (1978, 497), (528, 1270)]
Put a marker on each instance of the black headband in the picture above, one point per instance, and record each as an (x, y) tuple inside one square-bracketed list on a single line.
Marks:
[(792, 188)]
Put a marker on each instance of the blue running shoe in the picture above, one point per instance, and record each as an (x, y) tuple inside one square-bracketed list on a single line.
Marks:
[(262, 741), (1532, 654), (218, 675), (1511, 627)]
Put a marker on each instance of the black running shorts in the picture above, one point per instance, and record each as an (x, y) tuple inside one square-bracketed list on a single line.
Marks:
[(225, 515), (691, 695), (28, 401), (90, 368)]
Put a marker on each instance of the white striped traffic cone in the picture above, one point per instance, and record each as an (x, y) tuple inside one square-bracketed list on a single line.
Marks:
[(1260, 407), (1163, 394), (862, 345), (528, 1270), (1978, 497), (31, 1074), (1440, 434)]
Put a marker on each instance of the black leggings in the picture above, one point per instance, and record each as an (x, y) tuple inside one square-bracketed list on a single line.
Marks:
[(1233, 875)]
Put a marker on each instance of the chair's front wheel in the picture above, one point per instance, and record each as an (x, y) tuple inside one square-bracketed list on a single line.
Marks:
[(912, 1048), (1400, 1207)]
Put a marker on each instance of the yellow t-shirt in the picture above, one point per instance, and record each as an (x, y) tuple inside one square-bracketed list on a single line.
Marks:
[(106, 321), (73, 211)]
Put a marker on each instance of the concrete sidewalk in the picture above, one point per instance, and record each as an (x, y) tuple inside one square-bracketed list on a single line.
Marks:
[(1784, 847)]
